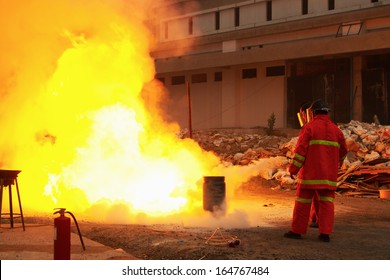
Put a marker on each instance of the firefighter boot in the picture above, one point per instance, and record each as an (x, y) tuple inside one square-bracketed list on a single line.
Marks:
[(292, 235), (324, 237)]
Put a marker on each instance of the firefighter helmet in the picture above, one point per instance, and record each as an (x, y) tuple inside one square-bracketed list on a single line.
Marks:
[(319, 106)]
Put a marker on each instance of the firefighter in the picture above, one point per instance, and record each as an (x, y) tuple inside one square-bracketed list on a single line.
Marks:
[(319, 152), (305, 115)]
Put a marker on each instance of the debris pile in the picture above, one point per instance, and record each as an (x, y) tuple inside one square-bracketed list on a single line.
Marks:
[(365, 170), (240, 148), (365, 179), (367, 141)]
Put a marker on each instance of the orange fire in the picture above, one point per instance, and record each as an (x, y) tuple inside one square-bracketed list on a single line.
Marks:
[(78, 127), (80, 116)]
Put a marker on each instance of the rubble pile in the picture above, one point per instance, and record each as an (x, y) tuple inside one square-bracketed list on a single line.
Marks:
[(365, 179), (367, 141), (365, 170), (240, 148)]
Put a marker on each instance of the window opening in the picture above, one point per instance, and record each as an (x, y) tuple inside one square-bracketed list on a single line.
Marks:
[(237, 16), (249, 73), (269, 10), (305, 7), (178, 80), (217, 20), (199, 78), (330, 4), (217, 76)]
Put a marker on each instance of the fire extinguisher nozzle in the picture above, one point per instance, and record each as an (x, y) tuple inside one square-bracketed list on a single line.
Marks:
[(60, 211)]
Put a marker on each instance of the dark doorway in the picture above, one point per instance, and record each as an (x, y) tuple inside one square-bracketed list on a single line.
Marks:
[(375, 99), (376, 88), (326, 79)]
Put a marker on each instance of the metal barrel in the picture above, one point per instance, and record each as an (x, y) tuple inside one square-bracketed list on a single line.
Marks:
[(214, 192)]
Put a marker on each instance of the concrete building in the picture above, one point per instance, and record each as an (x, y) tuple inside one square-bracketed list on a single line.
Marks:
[(243, 61)]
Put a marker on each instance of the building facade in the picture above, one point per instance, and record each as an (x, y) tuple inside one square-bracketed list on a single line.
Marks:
[(232, 64)]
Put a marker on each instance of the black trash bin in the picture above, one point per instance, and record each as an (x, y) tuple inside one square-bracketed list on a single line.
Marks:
[(214, 193)]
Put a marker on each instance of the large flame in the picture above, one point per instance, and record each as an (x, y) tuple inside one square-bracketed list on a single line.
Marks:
[(80, 115)]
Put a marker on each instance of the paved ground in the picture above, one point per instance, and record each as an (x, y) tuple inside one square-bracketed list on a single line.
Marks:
[(36, 243), (361, 232)]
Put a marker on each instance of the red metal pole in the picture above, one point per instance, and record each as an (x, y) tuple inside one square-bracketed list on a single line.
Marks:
[(189, 110)]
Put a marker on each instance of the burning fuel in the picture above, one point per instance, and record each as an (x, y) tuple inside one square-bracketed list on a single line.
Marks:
[(80, 115)]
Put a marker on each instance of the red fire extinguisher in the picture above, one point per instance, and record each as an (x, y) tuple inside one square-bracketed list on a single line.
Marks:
[(62, 235)]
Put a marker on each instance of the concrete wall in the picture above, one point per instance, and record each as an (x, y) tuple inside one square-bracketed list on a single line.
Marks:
[(226, 19), (232, 102), (341, 4), (285, 9), (176, 104), (203, 24), (206, 105), (229, 90), (258, 98), (252, 14), (318, 6), (325, 46), (177, 28)]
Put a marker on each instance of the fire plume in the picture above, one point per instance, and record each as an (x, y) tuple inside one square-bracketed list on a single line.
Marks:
[(76, 120), (80, 114)]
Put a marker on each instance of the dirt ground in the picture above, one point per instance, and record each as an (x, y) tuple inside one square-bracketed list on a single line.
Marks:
[(361, 232)]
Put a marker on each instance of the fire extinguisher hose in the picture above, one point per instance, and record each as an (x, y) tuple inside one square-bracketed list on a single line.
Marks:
[(78, 229)]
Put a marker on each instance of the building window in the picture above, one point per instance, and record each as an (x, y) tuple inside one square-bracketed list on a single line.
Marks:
[(190, 25), (217, 20), (178, 80), (269, 10), (275, 71), (217, 76), (330, 4), (305, 7), (249, 73), (199, 78), (348, 29), (237, 16)]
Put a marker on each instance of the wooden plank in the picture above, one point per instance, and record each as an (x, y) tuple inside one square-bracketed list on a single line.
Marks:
[(372, 171)]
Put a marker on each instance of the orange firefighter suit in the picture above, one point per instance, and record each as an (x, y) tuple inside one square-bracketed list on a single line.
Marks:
[(319, 151)]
